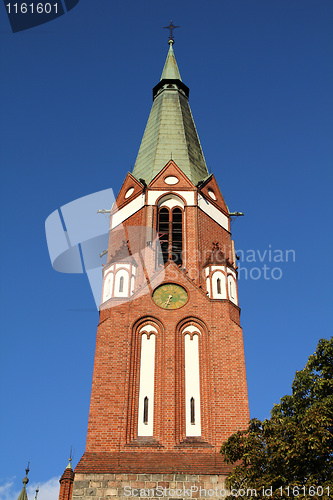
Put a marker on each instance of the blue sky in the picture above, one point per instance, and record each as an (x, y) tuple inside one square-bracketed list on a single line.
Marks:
[(76, 94)]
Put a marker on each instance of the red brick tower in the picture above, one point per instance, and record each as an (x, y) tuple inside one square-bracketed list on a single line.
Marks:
[(66, 483), (169, 383)]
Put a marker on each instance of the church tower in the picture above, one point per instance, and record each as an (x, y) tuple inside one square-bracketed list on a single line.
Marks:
[(169, 382)]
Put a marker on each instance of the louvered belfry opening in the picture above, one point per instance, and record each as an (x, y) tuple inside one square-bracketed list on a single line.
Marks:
[(177, 236), (163, 233), (170, 232)]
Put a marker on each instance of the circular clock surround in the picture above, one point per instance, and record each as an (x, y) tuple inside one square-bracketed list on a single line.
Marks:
[(170, 296)]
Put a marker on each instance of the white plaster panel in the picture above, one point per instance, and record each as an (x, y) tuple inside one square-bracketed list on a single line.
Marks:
[(192, 384), (148, 328), (188, 196), (213, 212), (147, 372), (207, 271), (171, 203), (127, 211), (132, 284)]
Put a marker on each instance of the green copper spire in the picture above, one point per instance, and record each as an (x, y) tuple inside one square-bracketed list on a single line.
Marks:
[(170, 70), (170, 131)]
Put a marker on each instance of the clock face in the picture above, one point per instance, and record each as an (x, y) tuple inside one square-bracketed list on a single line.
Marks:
[(170, 296)]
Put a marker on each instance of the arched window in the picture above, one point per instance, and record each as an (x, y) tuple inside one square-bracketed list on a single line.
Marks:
[(121, 284), (218, 285), (170, 232)]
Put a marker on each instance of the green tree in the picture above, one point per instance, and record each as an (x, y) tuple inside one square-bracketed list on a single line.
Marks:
[(294, 448)]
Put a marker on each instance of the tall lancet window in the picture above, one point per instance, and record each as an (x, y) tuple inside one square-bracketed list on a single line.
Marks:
[(146, 390), (192, 410), (170, 231), (192, 384), (145, 410)]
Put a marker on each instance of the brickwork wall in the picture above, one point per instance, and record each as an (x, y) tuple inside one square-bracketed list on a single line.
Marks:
[(115, 380), (166, 486)]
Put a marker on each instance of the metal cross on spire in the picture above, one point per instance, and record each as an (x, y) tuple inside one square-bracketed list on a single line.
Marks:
[(171, 27)]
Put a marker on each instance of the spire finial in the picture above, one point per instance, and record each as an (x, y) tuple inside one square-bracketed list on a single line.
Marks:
[(37, 490), (25, 479), (69, 466), (171, 27)]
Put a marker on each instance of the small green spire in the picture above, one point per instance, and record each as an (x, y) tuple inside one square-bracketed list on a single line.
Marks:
[(170, 70), (69, 466)]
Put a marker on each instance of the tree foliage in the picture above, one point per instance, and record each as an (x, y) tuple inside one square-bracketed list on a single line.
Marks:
[(294, 448)]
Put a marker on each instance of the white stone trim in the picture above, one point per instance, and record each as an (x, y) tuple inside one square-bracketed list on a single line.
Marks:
[(213, 212), (125, 212)]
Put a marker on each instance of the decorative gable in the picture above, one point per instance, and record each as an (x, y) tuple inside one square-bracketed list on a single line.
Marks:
[(211, 191), (171, 178), (130, 189)]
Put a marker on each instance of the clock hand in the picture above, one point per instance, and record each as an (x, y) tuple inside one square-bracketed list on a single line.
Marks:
[(167, 302)]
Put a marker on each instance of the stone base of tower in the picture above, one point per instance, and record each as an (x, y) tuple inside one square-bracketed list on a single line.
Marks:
[(163, 486)]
